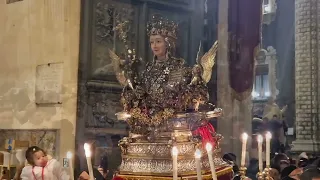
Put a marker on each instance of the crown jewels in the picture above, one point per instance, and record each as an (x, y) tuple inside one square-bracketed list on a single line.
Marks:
[(160, 26)]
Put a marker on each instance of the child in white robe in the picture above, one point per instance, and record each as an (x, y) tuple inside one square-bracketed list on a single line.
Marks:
[(42, 167)]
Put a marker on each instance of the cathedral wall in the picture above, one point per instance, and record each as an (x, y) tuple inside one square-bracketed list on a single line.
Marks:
[(307, 76), (306, 69), (32, 33)]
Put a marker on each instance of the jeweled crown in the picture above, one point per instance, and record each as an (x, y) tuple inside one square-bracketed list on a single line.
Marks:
[(160, 26)]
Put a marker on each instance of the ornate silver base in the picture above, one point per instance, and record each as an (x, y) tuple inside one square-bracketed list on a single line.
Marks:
[(142, 158), (225, 172), (155, 159)]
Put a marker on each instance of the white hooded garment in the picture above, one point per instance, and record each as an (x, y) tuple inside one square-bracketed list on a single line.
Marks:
[(52, 171)]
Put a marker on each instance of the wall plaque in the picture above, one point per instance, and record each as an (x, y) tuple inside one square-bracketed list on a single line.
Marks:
[(49, 83)]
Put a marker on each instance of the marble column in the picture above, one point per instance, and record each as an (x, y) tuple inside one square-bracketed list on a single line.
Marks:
[(307, 33)]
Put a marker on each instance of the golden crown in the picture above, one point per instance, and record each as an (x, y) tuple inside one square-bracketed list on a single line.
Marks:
[(160, 26)]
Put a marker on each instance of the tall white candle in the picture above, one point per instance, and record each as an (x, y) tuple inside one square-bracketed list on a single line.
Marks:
[(89, 163), (197, 155), (175, 162), (69, 156), (268, 138), (210, 156), (244, 149), (260, 140)]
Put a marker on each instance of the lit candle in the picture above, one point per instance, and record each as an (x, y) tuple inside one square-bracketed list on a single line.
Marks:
[(69, 156), (89, 163), (268, 138), (197, 155), (175, 162), (244, 149), (260, 140), (212, 167)]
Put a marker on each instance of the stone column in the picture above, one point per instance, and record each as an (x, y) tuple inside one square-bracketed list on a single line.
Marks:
[(307, 33), (224, 99), (236, 116)]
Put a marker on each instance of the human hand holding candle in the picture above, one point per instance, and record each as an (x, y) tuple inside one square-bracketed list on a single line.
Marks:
[(268, 138), (88, 157), (197, 155), (175, 162), (244, 149), (69, 156), (212, 167), (260, 140)]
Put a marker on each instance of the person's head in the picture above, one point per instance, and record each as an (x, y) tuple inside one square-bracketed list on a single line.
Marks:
[(36, 156), (303, 162), (230, 157), (280, 161), (287, 171), (274, 117), (162, 37)]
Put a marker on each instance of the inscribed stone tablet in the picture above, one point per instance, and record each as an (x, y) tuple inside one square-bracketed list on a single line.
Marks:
[(49, 83)]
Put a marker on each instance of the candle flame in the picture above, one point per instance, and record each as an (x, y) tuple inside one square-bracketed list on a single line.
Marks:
[(197, 154), (244, 136), (208, 147), (268, 135), (86, 146), (260, 138), (69, 154), (87, 151), (175, 151)]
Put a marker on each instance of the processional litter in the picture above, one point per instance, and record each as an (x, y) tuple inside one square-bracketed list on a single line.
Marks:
[(166, 106)]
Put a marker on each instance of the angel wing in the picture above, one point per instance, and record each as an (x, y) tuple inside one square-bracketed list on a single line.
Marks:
[(120, 74), (207, 62)]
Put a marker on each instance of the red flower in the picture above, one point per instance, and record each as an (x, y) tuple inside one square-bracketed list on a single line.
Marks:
[(205, 132)]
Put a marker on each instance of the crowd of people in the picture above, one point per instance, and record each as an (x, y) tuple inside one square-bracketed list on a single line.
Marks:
[(282, 167)]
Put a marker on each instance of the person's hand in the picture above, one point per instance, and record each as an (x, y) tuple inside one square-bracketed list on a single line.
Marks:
[(84, 176)]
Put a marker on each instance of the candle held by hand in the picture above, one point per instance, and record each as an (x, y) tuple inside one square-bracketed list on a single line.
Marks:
[(87, 151), (244, 149)]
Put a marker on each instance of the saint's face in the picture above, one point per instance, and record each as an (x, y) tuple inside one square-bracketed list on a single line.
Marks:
[(158, 45)]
